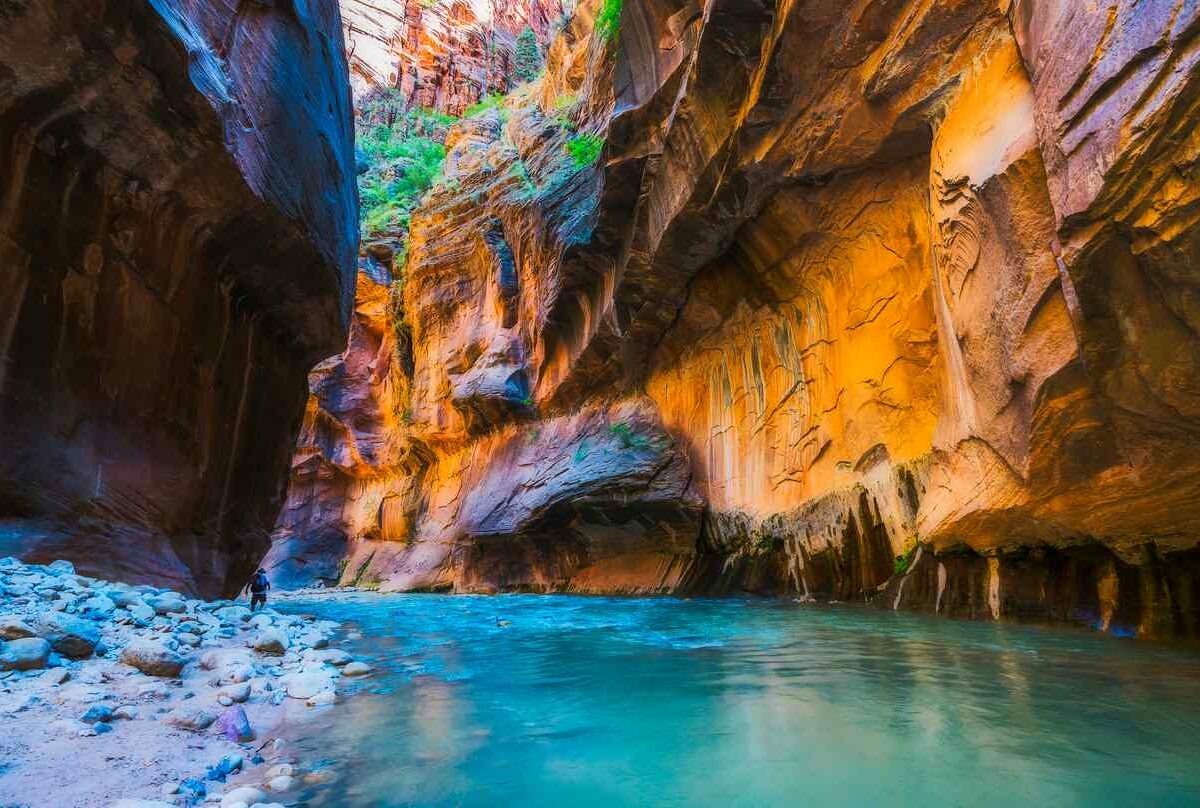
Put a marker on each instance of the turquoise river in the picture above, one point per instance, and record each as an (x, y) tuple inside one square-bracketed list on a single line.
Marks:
[(567, 701)]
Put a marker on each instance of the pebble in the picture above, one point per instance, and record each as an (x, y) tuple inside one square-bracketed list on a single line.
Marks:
[(101, 727), (356, 669)]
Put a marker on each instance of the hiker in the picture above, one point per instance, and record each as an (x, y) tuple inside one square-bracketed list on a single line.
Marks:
[(258, 589)]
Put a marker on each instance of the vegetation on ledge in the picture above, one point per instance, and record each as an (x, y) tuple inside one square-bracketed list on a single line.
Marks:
[(585, 149)]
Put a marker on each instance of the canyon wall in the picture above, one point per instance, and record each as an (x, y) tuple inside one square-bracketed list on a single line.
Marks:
[(888, 300), (441, 54), (178, 227)]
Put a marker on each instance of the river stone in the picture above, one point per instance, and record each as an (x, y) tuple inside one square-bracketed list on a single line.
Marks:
[(244, 794), (281, 783), (237, 693), (60, 567), (152, 658), (235, 726), (186, 716), (56, 676), (68, 635), (26, 654), (322, 699), (187, 638), (97, 712), (124, 598), (233, 614), (167, 604), (272, 642), (142, 613), (98, 607), (126, 712), (306, 685), (356, 669), (13, 628), (334, 656)]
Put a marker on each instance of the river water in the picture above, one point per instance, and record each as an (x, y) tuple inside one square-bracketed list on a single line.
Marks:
[(664, 702)]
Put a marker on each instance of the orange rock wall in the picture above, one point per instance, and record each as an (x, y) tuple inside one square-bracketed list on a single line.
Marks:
[(879, 279)]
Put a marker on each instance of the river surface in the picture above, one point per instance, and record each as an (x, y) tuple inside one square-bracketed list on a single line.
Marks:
[(663, 702)]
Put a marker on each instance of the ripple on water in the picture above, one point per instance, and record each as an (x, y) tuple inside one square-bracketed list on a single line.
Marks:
[(656, 701)]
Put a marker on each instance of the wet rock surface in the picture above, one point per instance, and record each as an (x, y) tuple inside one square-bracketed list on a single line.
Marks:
[(143, 716)]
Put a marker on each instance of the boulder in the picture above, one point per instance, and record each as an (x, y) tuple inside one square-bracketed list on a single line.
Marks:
[(60, 567), (70, 636), (13, 628), (98, 607), (25, 654), (152, 658), (233, 614), (271, 641), (167, 604)]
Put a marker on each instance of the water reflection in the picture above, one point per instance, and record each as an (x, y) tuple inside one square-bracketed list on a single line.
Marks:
[(595, 701)]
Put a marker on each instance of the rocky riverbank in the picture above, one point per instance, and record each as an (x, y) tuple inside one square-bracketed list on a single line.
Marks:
[(138, 697)]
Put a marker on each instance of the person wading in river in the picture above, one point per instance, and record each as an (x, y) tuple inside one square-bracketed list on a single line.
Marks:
[(258, 589)]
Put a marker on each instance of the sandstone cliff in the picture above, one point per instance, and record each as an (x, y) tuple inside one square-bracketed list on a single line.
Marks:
[(178, 228), (896, 298), (441, 54)]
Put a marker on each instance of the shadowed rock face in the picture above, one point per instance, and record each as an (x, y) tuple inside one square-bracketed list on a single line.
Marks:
[(887, 273), (178, 227)]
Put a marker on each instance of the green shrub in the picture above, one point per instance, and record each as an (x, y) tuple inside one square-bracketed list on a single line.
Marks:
[(902, 562), (608, 21), (585, 149), (403, 152), (490, 101)]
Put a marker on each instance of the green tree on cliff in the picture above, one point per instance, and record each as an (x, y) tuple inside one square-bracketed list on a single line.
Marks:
[(528, 57)]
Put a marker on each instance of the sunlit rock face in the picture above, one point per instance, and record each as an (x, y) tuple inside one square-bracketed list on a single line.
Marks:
[(886, 274), (441, 54), (178, 226)]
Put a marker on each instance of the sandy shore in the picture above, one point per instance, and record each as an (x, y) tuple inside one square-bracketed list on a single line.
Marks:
[(138, 697)]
